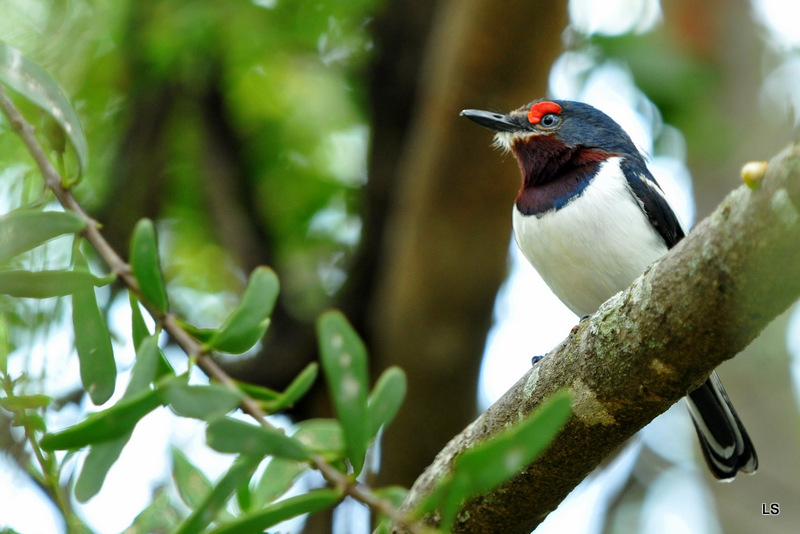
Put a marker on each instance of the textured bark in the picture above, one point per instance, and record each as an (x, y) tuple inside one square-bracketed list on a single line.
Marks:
[(700, 305)]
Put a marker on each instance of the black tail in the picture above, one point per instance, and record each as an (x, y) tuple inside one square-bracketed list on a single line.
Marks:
[(725, 443)]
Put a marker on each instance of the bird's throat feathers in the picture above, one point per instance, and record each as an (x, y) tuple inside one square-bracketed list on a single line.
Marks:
[(552, 172)]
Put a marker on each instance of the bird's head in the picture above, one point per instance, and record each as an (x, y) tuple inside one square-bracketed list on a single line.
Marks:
[(559, 145)]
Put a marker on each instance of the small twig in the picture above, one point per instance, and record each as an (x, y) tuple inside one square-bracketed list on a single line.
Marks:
[(169, 321), (362, 494)]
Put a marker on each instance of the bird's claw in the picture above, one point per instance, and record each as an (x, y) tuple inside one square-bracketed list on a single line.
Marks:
[(575, 328)]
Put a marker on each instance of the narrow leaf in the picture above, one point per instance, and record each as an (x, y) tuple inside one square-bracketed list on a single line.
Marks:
[(321, 436), (308, 503), (95, 467), (105, 425), (244, 498), (491, 463), (386, 398), (239, 473), (249, 321), (192, 484), (24, 229), (200, 334), (207, 402), (295, 391), (146, 266), (29, 419), (395, 495), (4, 348), (92, 341), (160, 516), (103, 455), (47, 284), (235, 436), (139, 330), (277, 478), (344, 361), (37, 86), (259, 393), (25, 402), (496, 461), (144, 368)]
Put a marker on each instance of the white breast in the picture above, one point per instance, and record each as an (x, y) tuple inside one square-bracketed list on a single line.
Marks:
[(593, 247)]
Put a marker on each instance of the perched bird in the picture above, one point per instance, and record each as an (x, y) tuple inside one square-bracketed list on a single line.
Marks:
[(590, 218)]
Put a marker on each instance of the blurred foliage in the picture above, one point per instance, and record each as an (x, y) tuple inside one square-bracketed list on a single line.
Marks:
[(707, 130), (288, 80)]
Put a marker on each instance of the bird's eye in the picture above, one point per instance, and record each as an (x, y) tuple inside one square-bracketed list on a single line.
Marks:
[(549, 120)]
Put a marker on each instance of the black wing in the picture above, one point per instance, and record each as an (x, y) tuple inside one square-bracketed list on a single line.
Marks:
[(651, 198)]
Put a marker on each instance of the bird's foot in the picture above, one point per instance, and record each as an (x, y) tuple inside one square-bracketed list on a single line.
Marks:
[(575, 328)]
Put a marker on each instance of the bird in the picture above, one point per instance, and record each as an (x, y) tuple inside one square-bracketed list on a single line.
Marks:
[(590, 217)]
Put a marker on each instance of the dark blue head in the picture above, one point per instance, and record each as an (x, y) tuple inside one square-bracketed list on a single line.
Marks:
[(559, 145)]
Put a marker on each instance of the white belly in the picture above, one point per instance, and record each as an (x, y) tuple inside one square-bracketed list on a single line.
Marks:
[(593, 247)]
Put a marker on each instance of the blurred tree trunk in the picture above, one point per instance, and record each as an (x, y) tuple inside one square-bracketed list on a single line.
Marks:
[(441, 199)]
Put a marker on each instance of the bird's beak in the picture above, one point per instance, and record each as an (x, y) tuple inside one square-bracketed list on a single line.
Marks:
[(493, 121)]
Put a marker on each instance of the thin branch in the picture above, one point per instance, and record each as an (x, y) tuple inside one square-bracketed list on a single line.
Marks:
[(168, 321), (644, 349), (116, 264)]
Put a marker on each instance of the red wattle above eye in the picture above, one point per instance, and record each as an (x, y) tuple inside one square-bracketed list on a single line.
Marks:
[(540, 109)]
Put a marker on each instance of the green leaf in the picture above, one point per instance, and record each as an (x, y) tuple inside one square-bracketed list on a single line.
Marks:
[(295, 391), (24, 229), (36, 85), (200, 334), (249, 321), (277, 478), (192, 484), (4, 347), (386, 398), (321, 436), (235, 436), (491, 463), (25, 402), (344, 361), (308, 503), (159, 516), (259, 393), (30, 420), (47, 284), (105, 425), (395, 495), (139, 330), (143, 372), (103, 455), (244, 498), (146, 266), (95, 467), (207, 402), (92, 341), (239, 473)]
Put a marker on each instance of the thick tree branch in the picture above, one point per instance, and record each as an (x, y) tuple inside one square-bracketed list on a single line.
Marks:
[(700, 305)]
